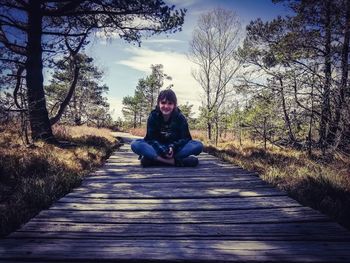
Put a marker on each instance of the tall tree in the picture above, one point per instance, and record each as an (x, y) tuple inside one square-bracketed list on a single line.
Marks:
[(212, 48), (32, 31), (262, 118), (187, 111), (264, 52), (78, 103), (324, 27), (306, 55), (150, 86), (133, 108)]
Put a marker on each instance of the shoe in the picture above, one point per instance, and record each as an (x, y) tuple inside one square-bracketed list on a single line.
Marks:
[(146, 162), (189, 161)]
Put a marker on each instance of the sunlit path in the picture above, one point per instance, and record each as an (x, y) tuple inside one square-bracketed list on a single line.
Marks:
[(214, 212)]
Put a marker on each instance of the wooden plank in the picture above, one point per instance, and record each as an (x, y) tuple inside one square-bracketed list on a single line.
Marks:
[(179, 250), (135, 164), (177, 187), (139, 174), (128, 158), (124, 170), (136, 167), (169, 207), (164, 175), (110, 176), (128, 154), (133, 157), (184, 201), (213, 212), (199, 204), (293, 214), (179, 193), (150, 180), (165, 185), (316, 231)]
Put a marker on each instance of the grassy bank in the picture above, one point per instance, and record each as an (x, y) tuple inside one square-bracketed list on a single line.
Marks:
[(315, 182), (31, 178)]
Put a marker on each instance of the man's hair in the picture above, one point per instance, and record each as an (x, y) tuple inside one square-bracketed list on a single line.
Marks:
[(168, 95)]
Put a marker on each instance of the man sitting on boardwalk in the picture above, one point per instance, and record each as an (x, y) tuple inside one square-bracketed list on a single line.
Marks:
[(168, 139)]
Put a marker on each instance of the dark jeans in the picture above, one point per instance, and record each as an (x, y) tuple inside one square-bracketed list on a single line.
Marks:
[(140, 147)]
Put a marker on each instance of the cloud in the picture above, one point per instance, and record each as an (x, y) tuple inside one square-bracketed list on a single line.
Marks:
[(136, 22), (116, 106), (175, 65), (163, 41), (182, 4)]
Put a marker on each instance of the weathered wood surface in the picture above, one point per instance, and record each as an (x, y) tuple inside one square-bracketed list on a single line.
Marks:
[(215, 212)]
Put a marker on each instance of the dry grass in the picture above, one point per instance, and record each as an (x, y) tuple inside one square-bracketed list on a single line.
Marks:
[(199, 135), (32, 178), (78, 132)]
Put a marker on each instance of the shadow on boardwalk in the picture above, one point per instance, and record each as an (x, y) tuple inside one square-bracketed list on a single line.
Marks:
[(214, 212)]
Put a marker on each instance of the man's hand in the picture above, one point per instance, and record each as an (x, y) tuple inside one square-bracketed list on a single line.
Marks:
[(170, 153)]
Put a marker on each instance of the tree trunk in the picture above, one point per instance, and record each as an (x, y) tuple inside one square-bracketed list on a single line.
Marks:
[(76, 115), (240, 134), (334, 131), (286, 116), (325, 111), (225, 131), (209, 129), (216, 131), (311, 122), (38, 114), (135, 119), (66, 101), (265, 133)]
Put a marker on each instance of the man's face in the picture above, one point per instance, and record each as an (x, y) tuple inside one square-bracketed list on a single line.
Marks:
[(166, 107)]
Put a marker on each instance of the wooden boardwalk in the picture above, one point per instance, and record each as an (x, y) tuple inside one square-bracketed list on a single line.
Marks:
[(214, 212)]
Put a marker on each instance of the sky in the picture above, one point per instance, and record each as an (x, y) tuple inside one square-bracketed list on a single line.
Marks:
[(124, 64)]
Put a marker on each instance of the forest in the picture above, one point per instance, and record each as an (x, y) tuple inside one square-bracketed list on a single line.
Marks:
[(285, 83), (275, 96)]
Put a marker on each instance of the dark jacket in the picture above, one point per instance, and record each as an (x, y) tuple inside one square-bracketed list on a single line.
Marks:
[(162, 135)]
